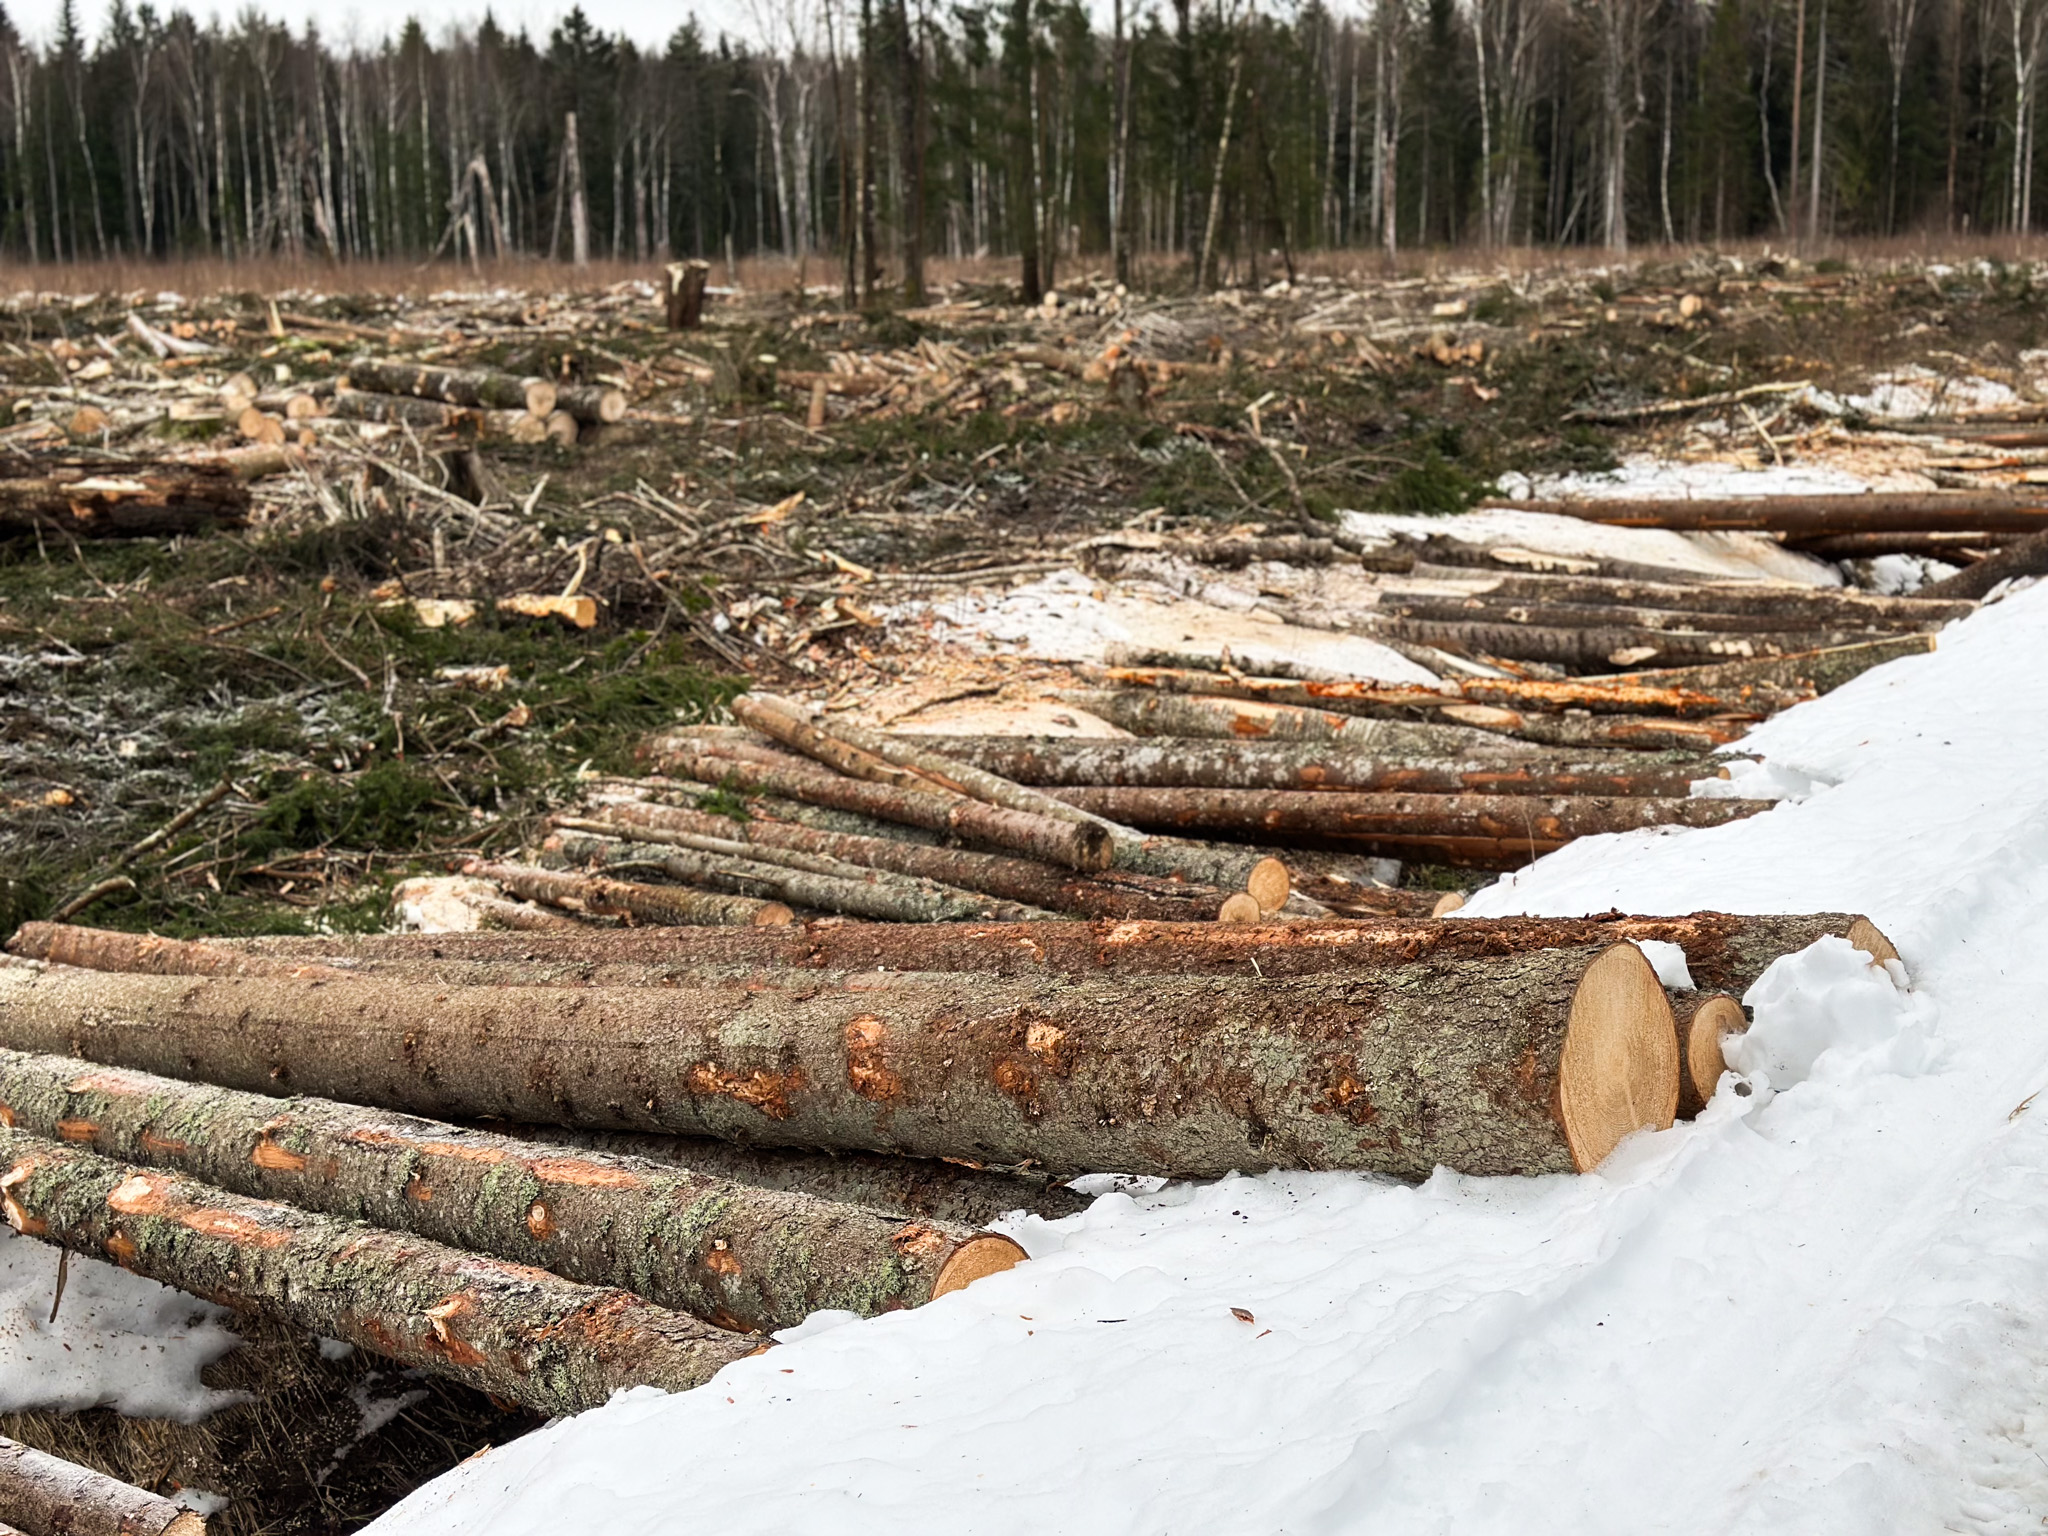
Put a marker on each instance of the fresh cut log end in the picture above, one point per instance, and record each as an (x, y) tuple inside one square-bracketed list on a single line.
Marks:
[(1240, 907), (989, 1255), (774, 914), (1619, 1071), (1447, 903), (1269, 884), (1702, 1038)]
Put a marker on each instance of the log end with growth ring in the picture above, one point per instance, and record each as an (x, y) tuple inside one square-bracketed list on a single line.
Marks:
[(989, 1255), (1619, 1069), (1269, 884), (1865, 935), (1702, 1049), (774, 915), (1447, 903), (1240, 907)]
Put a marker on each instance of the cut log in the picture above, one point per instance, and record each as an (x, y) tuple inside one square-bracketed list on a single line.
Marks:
[(516, 1332), (255, 425), (1523, 1063), (592, 404), (1725, 952), (1147, 713), (726, 1252), (1703, 1025), (1837, 607), (1447, 903), (1599, 649), (561, 427), (1076, 845), (2022, 557), (1242, 907), (1603, 733), (44, 1496), (1017, 880), (1867, 512), (1557, 613), (408, 411), (1868, 546), (827, 886), (1805, 675), (1062, 762), (910, 1186), (1307, 813), (662, 904), (1601, 697), (118, 499), (477, 388)]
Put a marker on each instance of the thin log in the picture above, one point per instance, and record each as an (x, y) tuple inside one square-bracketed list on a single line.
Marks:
[(1599, 697), (46, 1496), (729, 1253), (1061, 762), (1596, 649), (1525, 1063), (2022, 557), (1145, 712), (1555, 613), (662, 904), (408, 411), (1704, 1025), (1076, 845), (1838, 606), (1865, 512), (1805, 675), (118, 499), (507, 1329), (1951, 547), (1601, 733), (478, 388), (592, 404)]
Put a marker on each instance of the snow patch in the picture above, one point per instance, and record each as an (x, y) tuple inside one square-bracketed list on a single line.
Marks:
[(1830, 1010)]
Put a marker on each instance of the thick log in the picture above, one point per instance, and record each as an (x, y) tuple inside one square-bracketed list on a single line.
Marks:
[(1704, 1024), (1018, 880), (1144, 712), (592, 404), (919, 1187), (516, 1332), (684, 309), (1076, 845), (1867, 512), (1063, 762), (830, 886), (118, 499), (729, 1253), (1526, 1063), (1839, 607), (1309, 813), (1599, 649), (1805, 675), (2022, 557), (1556, 613), (1366, 698), (664, 904), (407, 411), (1725, 952), (45, 1496), (478, 388), (1867, 546)]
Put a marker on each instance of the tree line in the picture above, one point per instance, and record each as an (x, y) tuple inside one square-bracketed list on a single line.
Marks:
[(864, 136)]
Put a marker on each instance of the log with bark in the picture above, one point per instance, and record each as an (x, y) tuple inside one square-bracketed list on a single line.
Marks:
[(730, 1253), (1603, 733), (44, 1495), (118, 498), (408, 411), (478, 388), (2022, 557), (1523, 1063), (1145, 712), (1595, 650), (1061, 762), (516, 1332), (663, 904), (1838, 607), (1952, 547), (592, 404), (1802, 676), (1406, 701), (1818, 515), (1559, 613)]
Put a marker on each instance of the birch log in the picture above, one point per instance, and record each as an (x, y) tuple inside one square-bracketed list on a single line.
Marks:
[(475, 387), (46, 1496)]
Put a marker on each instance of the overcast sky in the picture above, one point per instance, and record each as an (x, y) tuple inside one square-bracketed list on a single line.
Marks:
[(648, 22)]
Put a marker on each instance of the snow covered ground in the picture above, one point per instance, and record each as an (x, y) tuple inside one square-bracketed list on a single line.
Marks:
[(1823, 1307)]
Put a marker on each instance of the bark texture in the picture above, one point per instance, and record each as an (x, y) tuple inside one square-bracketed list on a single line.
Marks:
[(1598, 697), (1393, 1068), (516, 1332), (663, 904), (592, 404), (44, 1496), (1149, 714), (408, 411), (1603, 733), (1790, 678), (2022, 557), (1592, 649), (1873, 512), (475, 387), (731, 1253), (118, 499), (1834, 606), (1558, 612)]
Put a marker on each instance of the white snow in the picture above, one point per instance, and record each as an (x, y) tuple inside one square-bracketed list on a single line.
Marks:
[(1820, 1308)]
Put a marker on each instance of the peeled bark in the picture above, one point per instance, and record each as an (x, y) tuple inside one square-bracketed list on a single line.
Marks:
[(1868, 512), (1149, 714), (592, 404), (518, 1333), (664, 904), (1838, 606), (730, 1253), (118, 499), (480, 388), (1802, 676), (1076, 845), (1594, 649), (1365, 698), (1072, 762), (1531, 1062), (45, 1496)]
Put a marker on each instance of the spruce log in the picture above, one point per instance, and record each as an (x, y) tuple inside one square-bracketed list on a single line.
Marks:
[(513, 1331), (1598, 649), (1951, 547), (1704, 1024), (46, 1496), (2022, 557), (1075, 762), (1077, 845), (1602, 697), (592, 404), (919, 1187), (1813, 516), (729, 1253), (1789, 678), (478, 388), (1725, 952), (1603, 733), (118, 499), (1558, 613), (1187, 715), (664, 904), (1018, 880), (1528, 1063), (408, 411), (1837, 606)]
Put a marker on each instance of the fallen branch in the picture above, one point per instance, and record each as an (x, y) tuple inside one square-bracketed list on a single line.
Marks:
[(1615, 415), (2024, 557)]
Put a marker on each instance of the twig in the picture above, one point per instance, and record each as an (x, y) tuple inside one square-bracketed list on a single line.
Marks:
[(244, 622), (63, 1274), (1625, 413), (89, 895), (176, 824)]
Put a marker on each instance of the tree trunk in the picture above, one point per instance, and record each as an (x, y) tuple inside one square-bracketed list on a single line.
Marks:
[(2023, 557), (1725, 952), (1076, 845), (406, 410), (1530, 1063), (731, 1254), (480, 387), (45, 1496), (1205, 272), (579, 212), (1597, 650), (118, 499), (665, 905), (1952, 547), (1606, 733), (685, 306), (506, 1329), (1356, 697), (1830, 605), (1872, 512), (1556, 613), (1165, 763)]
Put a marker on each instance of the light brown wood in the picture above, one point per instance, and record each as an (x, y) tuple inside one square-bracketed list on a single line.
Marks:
[(816, 419), (1702, 1030), (259, 426), (1240, 907), (1866, 936), (88, 421), (1447, 903), (562, 428), (1619, 1069), (989, 1255), (1269, 884)]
